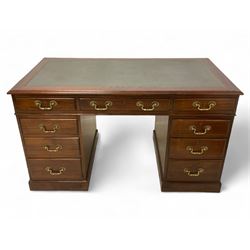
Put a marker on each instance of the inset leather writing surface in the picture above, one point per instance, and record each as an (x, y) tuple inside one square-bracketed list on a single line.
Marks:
[(86, 75), (115, 73)]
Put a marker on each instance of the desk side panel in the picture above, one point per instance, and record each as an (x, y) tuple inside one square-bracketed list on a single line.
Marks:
[(161, 132), (87, 124)]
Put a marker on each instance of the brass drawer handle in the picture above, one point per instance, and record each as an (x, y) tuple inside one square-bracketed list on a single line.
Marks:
[(52, 104), (197, 105), (56, 149), (201, 152), (55, 172), (107, 105), (141, 105), (47, 131), (192, 173), (206, 129)]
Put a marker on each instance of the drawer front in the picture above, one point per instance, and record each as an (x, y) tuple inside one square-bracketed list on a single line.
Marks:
[(205, 105), (200, 128), (101, 105), (148, 105), (49, 104), (49, 127), (54, 169), (137, 105), (197, 149), (52, 148), (194, 170)]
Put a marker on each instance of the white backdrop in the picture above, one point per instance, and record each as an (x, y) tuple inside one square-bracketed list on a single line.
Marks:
[(124, 208)]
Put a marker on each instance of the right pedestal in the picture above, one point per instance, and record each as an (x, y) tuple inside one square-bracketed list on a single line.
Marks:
[(190, 151)]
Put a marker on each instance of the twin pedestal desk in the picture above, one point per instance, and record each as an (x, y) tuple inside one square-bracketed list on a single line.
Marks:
[(193, 102)]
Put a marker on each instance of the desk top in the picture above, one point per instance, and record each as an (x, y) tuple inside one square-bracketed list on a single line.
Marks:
[(125, 76)]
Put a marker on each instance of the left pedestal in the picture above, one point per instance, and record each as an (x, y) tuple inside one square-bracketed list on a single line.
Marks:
[(59, 146)]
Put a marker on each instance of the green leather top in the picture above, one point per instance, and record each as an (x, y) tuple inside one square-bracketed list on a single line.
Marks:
[(128, 73)]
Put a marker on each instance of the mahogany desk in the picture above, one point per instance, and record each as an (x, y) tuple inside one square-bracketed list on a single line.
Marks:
[(194, 105)]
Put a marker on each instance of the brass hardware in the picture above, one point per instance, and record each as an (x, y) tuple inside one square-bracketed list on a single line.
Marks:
[(52, 104), (107, 105), (55, 172), (197, 105), (201, 152), (141, 105), (206, 128), (46, 131), (56, 149), (192, 173)]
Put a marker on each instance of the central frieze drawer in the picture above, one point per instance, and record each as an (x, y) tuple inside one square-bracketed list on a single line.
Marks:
[(197, 149), (52, 147), (139, 105), (49, 127)]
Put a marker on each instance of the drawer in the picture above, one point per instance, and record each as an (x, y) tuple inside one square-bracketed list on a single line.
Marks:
[(148, 105), (200, 128), (52, 147), (49, 127), (197, 149), (54, 169), (194, 170), (136, 105), (49, 104), (205, 105), (101, 105)]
